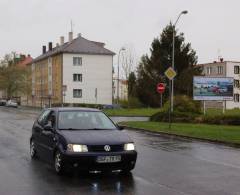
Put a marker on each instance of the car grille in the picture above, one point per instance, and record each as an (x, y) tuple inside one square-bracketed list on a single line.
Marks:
[(100, 148)]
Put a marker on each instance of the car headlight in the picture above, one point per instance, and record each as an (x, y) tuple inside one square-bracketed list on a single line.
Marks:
[(129, 146), (77, 148)]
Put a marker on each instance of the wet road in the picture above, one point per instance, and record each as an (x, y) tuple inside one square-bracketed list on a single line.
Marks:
[(165, 166)]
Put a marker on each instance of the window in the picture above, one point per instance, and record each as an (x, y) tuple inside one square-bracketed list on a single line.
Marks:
[(43, 117), (77, 61), (236, 69), (77, 93), (236, 83), (236, 97), (209, 70), (77, 77), (220, 70)]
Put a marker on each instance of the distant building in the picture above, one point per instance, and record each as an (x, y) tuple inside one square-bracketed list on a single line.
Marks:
[(77, 71), (123, 89), (25, 62), (224, 69)]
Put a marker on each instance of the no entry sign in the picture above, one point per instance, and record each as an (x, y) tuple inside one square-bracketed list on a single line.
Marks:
[(160, 88)]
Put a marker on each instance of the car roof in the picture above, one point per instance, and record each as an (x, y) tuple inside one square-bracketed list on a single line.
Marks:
[(59, 109)]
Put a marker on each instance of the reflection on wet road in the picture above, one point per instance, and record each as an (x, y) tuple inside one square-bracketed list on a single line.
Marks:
[(165, 166)]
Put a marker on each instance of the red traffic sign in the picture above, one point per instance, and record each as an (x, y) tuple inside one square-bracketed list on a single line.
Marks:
[(160, 88)]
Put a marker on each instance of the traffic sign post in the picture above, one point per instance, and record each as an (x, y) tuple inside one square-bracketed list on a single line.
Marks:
[(160, 90), (170, 73)]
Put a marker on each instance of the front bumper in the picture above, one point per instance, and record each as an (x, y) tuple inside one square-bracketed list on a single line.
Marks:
[(88, 161)]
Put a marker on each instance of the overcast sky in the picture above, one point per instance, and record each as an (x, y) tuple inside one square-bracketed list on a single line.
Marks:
[(212, 26)]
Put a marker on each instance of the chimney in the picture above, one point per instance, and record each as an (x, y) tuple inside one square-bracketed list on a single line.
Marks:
[(50, 46), (79, 34), (61, 40), (221, 59), (70, 36), (43, 49)]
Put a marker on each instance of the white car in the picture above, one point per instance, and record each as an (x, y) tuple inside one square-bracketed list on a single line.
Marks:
[(11, 103)]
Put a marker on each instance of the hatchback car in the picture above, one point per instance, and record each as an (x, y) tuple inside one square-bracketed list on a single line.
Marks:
[(81, 138)]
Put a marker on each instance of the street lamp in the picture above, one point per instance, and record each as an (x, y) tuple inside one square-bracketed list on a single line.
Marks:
[(173, 48), (122, 49)]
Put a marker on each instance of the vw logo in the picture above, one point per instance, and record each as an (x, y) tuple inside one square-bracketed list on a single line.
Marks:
[(107, 148)]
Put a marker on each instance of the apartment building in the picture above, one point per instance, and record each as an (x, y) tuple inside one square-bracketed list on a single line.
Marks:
[(123, 89), (224, 69), (76, 71)]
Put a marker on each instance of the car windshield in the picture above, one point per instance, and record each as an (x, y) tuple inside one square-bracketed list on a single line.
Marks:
[(84, 120)]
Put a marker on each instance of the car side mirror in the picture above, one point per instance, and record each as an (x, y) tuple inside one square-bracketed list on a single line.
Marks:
[(48, 127), (120, 127)]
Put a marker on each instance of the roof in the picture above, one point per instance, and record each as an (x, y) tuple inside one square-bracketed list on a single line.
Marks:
[(74, 109), (213, 63), (78, 45), (27, 60)]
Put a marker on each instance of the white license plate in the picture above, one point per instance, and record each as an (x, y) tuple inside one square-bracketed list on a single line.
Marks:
[(108, 159)]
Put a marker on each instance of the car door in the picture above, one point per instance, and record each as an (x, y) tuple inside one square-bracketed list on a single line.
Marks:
[(37, 132), (48, 136)]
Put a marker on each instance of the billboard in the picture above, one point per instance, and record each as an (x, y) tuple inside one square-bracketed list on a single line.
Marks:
[(212, 88)]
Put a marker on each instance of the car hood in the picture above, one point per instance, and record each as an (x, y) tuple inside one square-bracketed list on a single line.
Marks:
[(96, 137)]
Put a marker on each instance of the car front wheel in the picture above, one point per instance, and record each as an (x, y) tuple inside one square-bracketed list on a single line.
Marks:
[(33, 152), (58, 163)]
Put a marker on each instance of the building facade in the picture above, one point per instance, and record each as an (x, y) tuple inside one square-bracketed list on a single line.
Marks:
[(224, 69), (74, 72), (123, 89)]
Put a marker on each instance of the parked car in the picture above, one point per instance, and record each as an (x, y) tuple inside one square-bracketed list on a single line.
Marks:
[(81, 138), (223, 89), (111, 106), (3, 102), (12, 103)]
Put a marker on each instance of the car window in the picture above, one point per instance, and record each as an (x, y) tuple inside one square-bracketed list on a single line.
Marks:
[(43, 117), (84, 120), (51, 119)]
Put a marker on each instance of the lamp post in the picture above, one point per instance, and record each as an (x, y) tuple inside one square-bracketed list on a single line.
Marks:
[(122, 49), (173, 51)]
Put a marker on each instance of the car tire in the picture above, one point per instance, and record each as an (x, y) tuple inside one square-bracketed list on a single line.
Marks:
[(33, 152), (126, 171), (58, 163)]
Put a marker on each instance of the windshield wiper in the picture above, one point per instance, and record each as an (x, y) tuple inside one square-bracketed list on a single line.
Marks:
[(71, 129)]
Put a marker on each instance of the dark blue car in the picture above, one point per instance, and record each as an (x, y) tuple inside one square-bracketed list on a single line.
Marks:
[(81, 138)]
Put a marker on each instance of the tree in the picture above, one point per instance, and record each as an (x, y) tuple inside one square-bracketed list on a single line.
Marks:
[(128, 62), (151, 69), (13, 80), (132, 85)]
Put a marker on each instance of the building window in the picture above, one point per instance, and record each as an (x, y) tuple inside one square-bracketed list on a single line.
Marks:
[(220, 70), (77, 61), (236, 69), (236, 83), (77, 77), (77, 93), (209, 70), (236, 97)]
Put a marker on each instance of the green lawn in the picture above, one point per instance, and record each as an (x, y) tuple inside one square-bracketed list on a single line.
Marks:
[(132, 112), (230, 134)]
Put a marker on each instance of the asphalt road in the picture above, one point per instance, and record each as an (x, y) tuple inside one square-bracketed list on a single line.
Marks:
[(165, 166)]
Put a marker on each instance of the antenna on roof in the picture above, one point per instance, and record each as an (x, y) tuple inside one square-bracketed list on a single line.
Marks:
[(219, 54), (71, 26)]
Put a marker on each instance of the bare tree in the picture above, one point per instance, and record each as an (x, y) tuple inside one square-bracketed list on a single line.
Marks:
[(128, 61)]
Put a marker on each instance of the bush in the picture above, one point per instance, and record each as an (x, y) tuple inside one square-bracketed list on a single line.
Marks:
[(132, 102), (185, 110), (222, 119)]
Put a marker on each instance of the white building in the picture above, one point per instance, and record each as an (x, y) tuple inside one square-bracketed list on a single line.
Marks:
[(224, 69), (123, 89), (73, 72)]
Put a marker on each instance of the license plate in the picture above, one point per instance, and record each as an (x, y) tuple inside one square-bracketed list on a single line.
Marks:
[(108, 159)]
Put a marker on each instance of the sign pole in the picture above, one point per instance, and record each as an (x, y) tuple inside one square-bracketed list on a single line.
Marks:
[(224, 106), (169, 112), (204, 107), (161, 101)]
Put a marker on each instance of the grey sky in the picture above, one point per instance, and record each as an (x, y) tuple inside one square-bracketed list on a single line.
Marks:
[(210, 25)]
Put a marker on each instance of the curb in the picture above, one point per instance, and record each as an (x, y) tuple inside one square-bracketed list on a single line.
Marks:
[(170, 135)]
